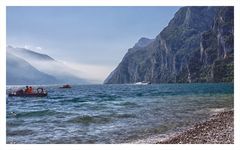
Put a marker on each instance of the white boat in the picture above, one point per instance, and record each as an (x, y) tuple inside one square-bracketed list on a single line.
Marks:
[(142, 83)]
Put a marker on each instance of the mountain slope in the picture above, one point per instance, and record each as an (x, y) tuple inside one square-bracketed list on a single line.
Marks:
[(21, 72), (196, 46), (48, 65)]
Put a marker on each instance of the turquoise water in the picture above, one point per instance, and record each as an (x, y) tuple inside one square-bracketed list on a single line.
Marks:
[(112, 113)]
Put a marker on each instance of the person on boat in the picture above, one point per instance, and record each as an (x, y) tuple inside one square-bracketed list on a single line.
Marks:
[(30, 90), (26, 89)]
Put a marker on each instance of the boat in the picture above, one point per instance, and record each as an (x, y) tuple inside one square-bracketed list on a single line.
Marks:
[(143, 83), (20, 93), (66, 86)]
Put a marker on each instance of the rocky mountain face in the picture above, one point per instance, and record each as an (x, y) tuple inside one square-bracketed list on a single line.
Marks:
[(196, 46), (143, 42), (40, 65)]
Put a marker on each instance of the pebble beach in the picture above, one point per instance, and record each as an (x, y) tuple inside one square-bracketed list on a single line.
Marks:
[(219, 129)]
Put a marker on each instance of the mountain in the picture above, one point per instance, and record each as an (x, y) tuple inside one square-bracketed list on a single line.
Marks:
[(21, 72), (143, 42), (29, 54), (196, 46), (47, 65)]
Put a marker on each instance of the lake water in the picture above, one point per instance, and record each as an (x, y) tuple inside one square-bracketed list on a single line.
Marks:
[(112, 113)]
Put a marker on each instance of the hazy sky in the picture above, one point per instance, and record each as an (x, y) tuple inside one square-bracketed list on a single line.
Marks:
[(85, 37)]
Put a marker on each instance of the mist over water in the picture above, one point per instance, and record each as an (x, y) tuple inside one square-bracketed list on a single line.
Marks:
[(112, 113)]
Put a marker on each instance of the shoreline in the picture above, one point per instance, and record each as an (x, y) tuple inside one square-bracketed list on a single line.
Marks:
[(218, 129)]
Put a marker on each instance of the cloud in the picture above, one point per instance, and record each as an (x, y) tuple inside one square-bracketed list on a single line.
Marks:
[(95, 73), (27, 46), (32, 47), (38, 48)]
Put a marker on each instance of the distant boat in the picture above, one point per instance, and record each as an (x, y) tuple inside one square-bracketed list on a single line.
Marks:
[(143, 83), (66, 86)]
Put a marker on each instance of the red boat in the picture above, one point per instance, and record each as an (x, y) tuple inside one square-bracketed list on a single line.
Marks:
[(66, 86)]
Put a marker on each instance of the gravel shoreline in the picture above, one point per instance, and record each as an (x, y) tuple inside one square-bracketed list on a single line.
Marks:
[(219, 129)]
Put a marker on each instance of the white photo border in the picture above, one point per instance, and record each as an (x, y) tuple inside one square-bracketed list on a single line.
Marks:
[(8, 3)]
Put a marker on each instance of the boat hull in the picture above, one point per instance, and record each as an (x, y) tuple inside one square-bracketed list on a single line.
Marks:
[(28, 95)]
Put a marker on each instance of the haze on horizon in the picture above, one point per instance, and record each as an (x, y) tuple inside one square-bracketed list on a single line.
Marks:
[(92, 40)]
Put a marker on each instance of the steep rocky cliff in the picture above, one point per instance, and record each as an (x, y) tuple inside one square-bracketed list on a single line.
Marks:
[(196, 46)]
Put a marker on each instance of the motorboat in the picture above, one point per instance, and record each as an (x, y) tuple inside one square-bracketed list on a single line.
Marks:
[(143, 83), (66, 86)]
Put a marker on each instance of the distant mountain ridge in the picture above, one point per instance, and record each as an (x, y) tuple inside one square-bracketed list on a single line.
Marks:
[(20, 72), (196, 46), (42, 65), (24, 53)]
